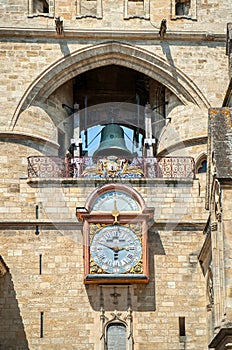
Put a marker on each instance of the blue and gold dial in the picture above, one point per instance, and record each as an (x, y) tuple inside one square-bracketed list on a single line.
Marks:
[(116, 249)]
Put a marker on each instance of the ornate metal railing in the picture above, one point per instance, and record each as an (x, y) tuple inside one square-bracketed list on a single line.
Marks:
[(110, 167)]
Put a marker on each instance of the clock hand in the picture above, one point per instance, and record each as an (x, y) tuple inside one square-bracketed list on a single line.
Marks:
[(107, 245), (116, 249), (115, 213), (129, 248)]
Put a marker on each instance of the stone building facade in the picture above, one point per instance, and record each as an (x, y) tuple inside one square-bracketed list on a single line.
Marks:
[(68, 69)]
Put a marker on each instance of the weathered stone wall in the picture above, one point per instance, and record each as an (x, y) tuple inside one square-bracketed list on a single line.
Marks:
[(113, 15), (47, 268), (72, 311), (226, 218), (173, 200), (42, 246)]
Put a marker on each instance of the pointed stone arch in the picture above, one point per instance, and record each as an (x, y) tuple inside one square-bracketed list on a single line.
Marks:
[(104, 54)]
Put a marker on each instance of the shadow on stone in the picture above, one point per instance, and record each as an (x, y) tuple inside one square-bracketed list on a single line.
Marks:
[(12, 334), (138, 297)]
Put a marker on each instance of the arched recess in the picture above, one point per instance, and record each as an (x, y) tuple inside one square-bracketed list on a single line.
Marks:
[(110, 53)]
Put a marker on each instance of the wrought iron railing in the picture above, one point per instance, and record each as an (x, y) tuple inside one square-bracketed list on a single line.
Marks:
[(110, 167)]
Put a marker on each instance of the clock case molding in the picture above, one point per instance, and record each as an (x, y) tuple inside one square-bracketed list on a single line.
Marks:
[(144, 217)]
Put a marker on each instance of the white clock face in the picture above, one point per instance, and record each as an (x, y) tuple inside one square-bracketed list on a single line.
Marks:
[(116, 249), (122, 200)]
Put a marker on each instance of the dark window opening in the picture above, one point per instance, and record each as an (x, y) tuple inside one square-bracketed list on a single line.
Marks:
[(61, 141), (202, 167), (182, 326), (40, 264), (182, 8), (41, 324), (40, 6)]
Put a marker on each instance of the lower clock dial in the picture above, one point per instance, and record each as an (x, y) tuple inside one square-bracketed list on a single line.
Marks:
[(116, 249)]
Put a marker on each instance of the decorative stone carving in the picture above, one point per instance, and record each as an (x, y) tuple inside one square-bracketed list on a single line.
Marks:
[(218, 201), (214, 226), (210, 289), (126, 319), (86, 8)]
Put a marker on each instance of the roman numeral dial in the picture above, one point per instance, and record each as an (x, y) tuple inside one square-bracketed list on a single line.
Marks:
[(116, 249)]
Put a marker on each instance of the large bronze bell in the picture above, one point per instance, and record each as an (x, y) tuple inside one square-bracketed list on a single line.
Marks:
[(112, 142)]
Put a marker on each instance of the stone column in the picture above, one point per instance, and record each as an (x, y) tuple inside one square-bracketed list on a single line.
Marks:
[(229, 47), (76, 131), (149, 142)]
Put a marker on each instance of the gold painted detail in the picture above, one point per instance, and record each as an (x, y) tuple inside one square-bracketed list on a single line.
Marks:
[(113, 167), (115, 213)]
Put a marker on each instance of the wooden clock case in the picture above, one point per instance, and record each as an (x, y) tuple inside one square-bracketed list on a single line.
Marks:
[(141, 220)]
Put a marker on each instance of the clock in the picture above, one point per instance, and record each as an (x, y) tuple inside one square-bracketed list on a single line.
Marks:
[(116, 249), (107, 200), (116, 253), (115, 235)]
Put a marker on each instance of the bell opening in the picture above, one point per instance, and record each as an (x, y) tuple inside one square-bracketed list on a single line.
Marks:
[(112, 142)]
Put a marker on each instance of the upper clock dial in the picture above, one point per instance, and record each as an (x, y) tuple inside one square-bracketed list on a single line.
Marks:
[(116, 249), (123, 201)]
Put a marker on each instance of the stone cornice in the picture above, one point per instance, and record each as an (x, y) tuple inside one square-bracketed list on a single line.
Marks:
[(31, 224), (112, 35), (137, 181), (187, 225)]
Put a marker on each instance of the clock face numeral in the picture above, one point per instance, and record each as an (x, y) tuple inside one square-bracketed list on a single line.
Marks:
[(116, 249)]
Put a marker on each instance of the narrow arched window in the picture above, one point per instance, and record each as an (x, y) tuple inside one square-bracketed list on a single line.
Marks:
[(116, 336), (202, 167)]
